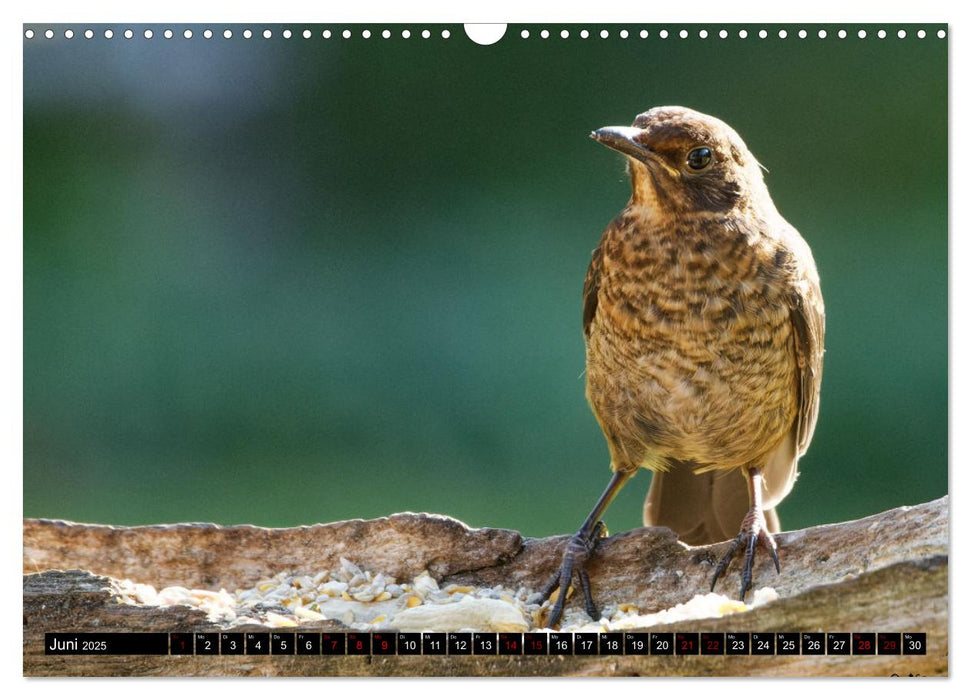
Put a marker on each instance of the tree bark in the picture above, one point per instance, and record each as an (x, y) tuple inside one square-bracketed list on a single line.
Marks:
[(884, 573)]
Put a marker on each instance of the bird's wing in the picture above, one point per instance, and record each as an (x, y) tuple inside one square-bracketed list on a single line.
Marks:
[(591, 286), (808, 325)]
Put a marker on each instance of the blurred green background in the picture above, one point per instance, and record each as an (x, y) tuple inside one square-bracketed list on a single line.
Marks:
[(291, 281)]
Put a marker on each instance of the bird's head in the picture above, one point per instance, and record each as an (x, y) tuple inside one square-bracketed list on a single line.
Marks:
[(684, 161)]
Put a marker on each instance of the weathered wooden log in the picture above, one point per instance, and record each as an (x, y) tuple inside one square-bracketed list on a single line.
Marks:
[(883, 573)]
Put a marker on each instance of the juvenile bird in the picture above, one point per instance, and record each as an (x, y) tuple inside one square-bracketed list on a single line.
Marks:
[(704, 325)]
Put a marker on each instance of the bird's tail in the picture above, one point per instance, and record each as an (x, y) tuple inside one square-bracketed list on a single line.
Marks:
[(701, 508)]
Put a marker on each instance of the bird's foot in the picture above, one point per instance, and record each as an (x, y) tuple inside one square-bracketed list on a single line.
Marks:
[(578, 551), (754, 531)]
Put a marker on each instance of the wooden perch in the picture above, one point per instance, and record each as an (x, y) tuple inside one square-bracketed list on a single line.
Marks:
[(884, 573)]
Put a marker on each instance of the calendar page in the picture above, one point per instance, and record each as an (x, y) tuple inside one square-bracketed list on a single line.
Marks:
[(468, 350)]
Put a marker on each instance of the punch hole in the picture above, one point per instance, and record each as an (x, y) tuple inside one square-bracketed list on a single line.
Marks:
[(366, 34), (803, 34), (742, 34), (663, 34), (643, 34), (167, 34), (267, 34), (228, 34), (187, 34), (149, 34), (882, 34), (29, 34), (703, 34), (584, 34), (921, 33), (941, 34), (624, 34), (129, 33), (207, 34), (247, 34), (821, 34), (307, 34), (723, 34), (68, 33), (49, 34)]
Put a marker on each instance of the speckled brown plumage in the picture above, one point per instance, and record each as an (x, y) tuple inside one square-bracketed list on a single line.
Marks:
[(704, 333)]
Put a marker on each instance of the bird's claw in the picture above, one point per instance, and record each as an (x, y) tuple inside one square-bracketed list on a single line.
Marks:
[(754, 531), (578, 551)]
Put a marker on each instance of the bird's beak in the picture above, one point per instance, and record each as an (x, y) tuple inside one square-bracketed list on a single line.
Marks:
[(623, 139)]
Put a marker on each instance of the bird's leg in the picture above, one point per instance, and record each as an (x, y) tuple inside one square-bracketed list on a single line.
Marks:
[(754, 531), (579, 549)]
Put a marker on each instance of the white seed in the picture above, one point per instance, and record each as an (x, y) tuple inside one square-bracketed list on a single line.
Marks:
[(275, 620), (426, 583), (351, 568), (307, 614), (333, 588)]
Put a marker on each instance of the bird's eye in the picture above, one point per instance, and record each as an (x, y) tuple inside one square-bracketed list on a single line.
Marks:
[(699, 158)]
